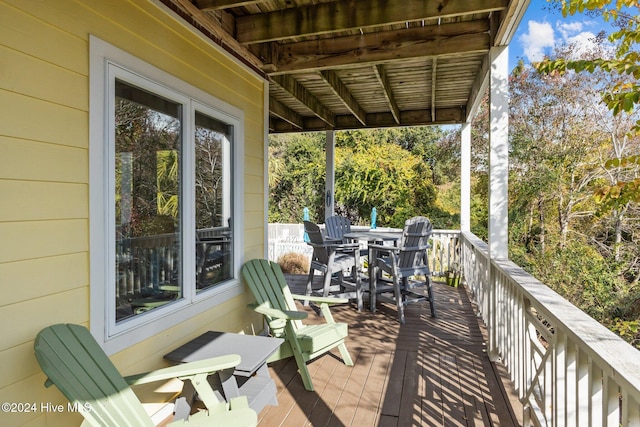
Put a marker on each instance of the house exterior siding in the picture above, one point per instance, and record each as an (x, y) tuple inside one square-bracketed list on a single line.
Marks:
[(44, 175)]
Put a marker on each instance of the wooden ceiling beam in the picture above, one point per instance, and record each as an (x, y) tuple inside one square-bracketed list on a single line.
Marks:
[(344, 15), (285, 113), (223, 4), (447, 39), (381, 75), (478, 89), (342, 92), (376, 120), (295, 89), (213, 30)]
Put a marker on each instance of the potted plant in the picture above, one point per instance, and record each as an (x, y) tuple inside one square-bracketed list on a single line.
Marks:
[(453, 275)]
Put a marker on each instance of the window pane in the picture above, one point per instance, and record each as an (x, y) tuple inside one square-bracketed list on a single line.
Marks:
[(213, 201), (147, 201)]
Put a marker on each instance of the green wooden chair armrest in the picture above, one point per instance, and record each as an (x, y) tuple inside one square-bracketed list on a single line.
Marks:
[(274, 313), (186, 370), (320, 300)]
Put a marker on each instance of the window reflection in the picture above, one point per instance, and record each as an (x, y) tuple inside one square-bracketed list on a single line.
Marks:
[(213, 201), (147, 200)]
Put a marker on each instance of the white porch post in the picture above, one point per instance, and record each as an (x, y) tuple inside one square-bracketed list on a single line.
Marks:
[(329, 186), (498, 181), (499, 153), (465, 177)]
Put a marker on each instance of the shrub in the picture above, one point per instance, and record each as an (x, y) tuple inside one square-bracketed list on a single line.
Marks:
[(294, 263)]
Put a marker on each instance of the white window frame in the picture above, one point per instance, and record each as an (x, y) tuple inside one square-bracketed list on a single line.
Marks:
[(106, 63)]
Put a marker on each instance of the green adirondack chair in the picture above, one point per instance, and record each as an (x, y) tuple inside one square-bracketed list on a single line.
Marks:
[(276, 302), (74, 362)]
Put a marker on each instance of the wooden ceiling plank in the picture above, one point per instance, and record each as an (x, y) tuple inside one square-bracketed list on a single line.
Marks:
[(374, 48), (388, 93), (344, 15), (295, 89), (342, 92)]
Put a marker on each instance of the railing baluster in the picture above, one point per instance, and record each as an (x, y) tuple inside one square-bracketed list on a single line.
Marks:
[(630, 410), (596, 402), (610, 403), (571, 381), (583, 388)]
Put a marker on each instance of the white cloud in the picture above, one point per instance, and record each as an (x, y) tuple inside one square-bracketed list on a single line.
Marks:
[(539, 37), (583, 43), (566, 29)]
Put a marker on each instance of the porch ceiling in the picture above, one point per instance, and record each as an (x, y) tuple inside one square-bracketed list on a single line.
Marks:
[(351, 64)]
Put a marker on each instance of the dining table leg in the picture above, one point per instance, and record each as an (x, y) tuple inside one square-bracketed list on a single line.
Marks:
[(373, 278)]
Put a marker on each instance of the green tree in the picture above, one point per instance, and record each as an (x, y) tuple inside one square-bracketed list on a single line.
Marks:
[(389, 169), (296, 176), (385, 176), (623, 94)]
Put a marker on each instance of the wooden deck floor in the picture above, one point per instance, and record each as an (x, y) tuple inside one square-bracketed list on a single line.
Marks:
[(429, 372)]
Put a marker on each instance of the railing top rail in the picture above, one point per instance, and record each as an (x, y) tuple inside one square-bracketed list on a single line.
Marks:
[(480, 244)]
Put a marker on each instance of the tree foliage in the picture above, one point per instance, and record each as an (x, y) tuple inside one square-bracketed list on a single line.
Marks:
[(621, 95), (574, 133), (389, 169)]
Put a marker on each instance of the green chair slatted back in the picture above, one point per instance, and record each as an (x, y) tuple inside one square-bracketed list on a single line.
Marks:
[(75, 363), (276, 303), (268, 285)]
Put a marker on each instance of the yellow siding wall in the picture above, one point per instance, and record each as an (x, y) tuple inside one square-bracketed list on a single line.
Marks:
[(44, 174)]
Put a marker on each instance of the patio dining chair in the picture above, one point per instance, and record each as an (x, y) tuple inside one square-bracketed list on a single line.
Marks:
[(329, 258), (73, 361), (407, 259)]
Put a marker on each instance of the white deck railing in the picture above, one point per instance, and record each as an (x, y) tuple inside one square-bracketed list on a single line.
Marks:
[(443, 255), (567, 368)]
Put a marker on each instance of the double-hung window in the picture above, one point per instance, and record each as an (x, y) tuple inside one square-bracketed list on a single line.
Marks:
[(165, 180)]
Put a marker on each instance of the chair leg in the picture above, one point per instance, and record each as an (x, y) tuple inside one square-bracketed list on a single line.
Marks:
[(432, 303), (359, 291), (304, 373), (327, 283), (397, 290), (346, 357), (309, 283)]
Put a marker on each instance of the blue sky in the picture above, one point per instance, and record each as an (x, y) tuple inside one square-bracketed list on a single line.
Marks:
[(541, 29)]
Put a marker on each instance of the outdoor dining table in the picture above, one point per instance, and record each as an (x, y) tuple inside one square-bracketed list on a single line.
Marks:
[(376, 237)]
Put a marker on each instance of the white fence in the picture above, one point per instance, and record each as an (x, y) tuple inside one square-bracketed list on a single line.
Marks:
[(285, 238), (443, 255), (567, 368)]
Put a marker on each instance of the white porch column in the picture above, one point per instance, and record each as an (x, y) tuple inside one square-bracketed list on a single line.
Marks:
[(329, 187), (498, 182), (465, 177), (499, 153)]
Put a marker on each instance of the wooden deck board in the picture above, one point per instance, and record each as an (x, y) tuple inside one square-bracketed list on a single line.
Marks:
[(428, 372)]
